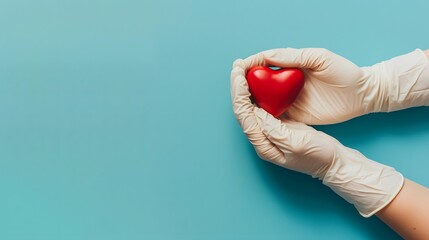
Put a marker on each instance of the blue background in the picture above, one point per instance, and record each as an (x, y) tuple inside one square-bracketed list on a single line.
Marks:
[(116, 119)]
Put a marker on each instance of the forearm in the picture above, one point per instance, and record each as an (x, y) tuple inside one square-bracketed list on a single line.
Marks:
[(405, 80), (408, 213)]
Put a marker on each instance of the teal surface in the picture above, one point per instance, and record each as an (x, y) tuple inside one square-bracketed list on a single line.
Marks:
[(116, 120)]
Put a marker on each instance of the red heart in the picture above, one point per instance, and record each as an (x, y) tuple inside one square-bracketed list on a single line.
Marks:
[(275, 90)]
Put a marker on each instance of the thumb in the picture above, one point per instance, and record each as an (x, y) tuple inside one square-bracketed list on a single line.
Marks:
[(273, 129), (287, 135), (307, 58)]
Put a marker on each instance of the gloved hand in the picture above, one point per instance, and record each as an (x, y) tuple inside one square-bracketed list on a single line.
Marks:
[(367, 184), (336, 90)]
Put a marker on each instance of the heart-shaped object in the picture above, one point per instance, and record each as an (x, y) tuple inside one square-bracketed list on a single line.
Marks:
[(274, 90)]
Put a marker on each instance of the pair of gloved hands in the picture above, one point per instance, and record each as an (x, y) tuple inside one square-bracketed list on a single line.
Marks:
[(335, 90)]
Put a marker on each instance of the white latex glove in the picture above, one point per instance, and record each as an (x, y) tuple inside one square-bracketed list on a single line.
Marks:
[(367, 184), (336, 90)]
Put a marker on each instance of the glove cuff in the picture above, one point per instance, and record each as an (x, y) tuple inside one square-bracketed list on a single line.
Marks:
[(366, 184), (406, 81)]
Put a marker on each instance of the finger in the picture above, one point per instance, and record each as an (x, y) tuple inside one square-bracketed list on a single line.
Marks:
[(264, 148), (315, 59), (238, 69), (288, 136), (252, 61), (273, 129), (242, 106), (243, 110)]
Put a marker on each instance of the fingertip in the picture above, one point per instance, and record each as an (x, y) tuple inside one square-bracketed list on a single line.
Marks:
[(237, 63)]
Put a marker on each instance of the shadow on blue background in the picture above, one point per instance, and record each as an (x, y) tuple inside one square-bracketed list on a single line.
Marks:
[(311, 197), (402, 123)]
